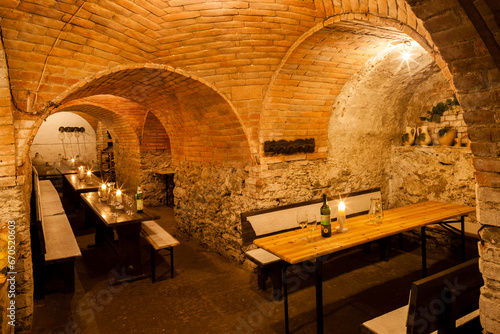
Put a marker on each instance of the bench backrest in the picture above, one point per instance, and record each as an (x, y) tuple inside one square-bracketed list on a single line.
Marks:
[(260, 223), (438, 300)]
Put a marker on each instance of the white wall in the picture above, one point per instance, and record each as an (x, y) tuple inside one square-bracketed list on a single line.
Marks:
[(48, 144)]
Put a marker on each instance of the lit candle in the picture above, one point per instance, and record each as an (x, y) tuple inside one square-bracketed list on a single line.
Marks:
[(118, 196), (72, 162), (102, 192), (341, 217), (89, 177)]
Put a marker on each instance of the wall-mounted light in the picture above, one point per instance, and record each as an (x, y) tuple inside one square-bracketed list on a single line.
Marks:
[(406, 54)]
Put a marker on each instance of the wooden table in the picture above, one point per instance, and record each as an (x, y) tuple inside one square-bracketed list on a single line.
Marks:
[(80, 186), (128, 229), (64, 170), (289, 247)]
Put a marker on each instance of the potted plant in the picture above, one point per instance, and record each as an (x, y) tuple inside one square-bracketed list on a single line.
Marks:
[(437, 111)]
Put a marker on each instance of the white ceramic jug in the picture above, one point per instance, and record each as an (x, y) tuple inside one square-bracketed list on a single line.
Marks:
[(423, 136), (409, 136)]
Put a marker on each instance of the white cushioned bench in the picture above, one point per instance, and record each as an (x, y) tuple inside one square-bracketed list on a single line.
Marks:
[(58, 243), (159, 239), (260, 223)]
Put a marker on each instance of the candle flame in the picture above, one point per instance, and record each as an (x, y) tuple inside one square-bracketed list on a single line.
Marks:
[(103, 186), (118, 192), (341, 205)]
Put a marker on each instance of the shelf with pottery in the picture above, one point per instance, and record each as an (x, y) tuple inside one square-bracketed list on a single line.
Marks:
[(447, 138)]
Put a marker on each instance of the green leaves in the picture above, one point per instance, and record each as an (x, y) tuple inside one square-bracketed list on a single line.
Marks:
[(437, 111)]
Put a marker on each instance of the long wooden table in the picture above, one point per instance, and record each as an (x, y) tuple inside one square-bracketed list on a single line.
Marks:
[(292, 249), (128, 229), (82, 186)]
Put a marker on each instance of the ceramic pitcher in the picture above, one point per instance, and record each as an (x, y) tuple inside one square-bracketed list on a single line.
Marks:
[(409, 136), (423, 136)]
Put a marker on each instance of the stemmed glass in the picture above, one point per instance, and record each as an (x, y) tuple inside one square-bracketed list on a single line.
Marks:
[(311, 224), (302, 221)]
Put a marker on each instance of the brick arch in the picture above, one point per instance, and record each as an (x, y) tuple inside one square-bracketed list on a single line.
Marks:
[(8, 154), (154, 136), (201, 122), (301, 95), (475, 75)]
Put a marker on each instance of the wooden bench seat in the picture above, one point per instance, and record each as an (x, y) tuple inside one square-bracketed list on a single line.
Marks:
[(159, 239), (58, 243), (440, 303), (261, 223)]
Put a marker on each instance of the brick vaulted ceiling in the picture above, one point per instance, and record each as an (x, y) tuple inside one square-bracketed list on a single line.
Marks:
[(215, 74)]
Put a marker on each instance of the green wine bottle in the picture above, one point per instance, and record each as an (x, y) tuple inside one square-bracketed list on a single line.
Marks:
[(139, 201), (326, 226)]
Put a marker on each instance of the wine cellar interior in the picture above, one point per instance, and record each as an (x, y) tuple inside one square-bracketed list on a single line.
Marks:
[(221, 108)]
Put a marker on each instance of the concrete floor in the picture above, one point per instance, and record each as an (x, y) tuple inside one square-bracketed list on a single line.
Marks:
[(210, 294)]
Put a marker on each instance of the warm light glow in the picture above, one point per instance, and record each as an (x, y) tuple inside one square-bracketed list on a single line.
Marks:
[(72, 159), (341, 206), (406, 55), (89, 173), (103, 186), (118, 192)]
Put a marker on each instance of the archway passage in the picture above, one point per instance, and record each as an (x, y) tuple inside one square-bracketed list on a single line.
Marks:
[(301, 98), (201, 125)]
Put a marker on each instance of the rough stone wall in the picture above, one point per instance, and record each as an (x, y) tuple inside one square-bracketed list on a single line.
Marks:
[(154, 185), (420, 174), (14, 206), (431, 173), (208, 203)]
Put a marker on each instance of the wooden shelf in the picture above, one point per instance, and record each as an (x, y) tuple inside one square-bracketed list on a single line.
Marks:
[(107, 165), (164, 171)]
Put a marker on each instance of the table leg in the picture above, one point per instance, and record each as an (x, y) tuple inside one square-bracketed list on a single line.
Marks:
[(319, 295), (462, 236), (129, 248), (285, 298), (424, 253)]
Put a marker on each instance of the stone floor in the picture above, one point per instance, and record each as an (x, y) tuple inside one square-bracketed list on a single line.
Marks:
[(210, 294)]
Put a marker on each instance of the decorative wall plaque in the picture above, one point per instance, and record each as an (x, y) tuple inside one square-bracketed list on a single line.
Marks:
[(287, 147)]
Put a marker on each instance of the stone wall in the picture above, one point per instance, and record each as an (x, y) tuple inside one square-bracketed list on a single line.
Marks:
[(14, 206), (208, 203), (154, 185), (445, 174)]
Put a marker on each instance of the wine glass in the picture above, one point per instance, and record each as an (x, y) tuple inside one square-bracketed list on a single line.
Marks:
[(311, 224), (302, 221)]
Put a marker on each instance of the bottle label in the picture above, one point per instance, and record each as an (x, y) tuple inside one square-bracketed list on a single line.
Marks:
[(325, 220), (326, 231), (140, 205)]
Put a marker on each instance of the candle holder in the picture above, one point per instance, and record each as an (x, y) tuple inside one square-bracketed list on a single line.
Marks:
[(118, 200), (341, 218), (88, 179), (81, 174), (103, 192)]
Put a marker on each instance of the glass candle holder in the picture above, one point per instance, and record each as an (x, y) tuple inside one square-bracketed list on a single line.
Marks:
[(88, 179)]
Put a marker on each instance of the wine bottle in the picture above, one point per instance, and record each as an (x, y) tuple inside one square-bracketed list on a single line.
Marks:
[(326, 227), (139, 201)]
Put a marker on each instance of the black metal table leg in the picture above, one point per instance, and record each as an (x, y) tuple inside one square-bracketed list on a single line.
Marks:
[(319, 295), (462, 236), (285, 298), (424, 253)]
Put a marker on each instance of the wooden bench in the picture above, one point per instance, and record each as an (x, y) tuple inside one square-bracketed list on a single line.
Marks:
[(441, 302), (159, 239), (261, 223), (57, 241)]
